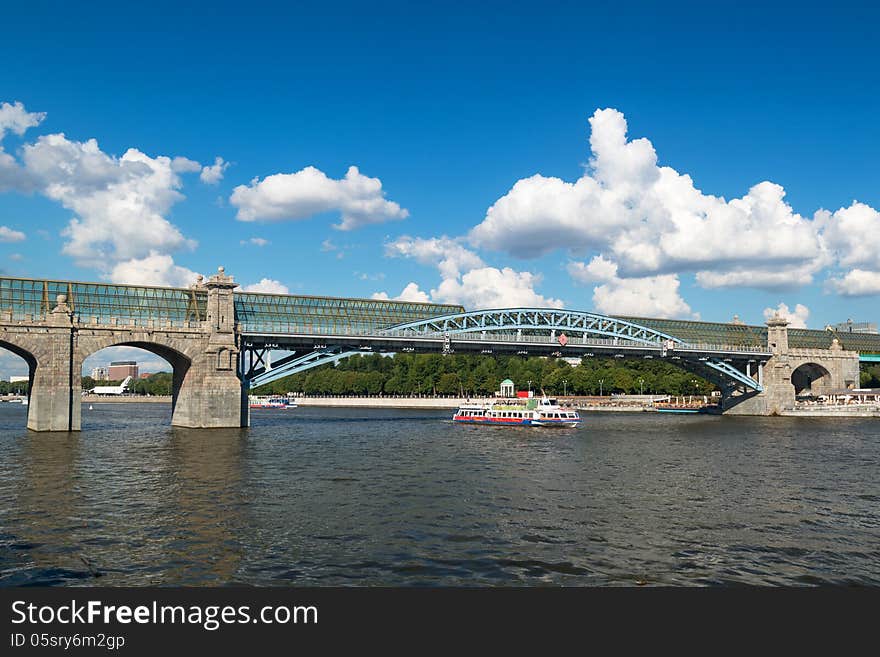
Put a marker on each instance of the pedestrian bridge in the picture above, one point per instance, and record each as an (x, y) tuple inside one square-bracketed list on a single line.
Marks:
[(219, 342)]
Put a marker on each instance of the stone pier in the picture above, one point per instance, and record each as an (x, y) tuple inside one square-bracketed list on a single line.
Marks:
[(207, 392), (790, 372)]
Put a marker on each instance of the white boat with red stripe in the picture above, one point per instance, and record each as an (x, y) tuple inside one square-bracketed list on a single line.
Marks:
[(543, 412)]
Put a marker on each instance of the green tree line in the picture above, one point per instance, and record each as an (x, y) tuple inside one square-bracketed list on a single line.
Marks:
[(471, 375), (870, 376)]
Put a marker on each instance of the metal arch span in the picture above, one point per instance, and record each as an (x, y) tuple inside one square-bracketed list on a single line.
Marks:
[(509, 319), (572, 321)]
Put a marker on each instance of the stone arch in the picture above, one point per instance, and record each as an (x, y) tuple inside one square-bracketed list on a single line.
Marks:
[(26, 355), (811, 378), (176, 352)]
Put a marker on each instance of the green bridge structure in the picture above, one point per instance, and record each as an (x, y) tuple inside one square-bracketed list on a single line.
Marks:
[(218, 342)]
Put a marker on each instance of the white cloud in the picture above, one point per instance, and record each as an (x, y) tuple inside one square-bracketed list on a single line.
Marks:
[(488, 287), (445, 253), (292, 196), (410, 293), (651, 219), (15, 118), (185, 165), (466, 279), (267, 286), (154, 269), (328, 245), (256, 241), (856, 283), (211, 175), (797, 318), (646, 296), (853, 234), (9, 235), (120, 203)]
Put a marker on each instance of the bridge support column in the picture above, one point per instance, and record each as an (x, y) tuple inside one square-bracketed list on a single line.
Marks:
[(210, 394), (55, 385)]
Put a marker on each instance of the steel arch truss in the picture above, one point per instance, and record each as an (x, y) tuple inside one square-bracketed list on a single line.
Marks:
[(539, 319), (261, 372), (584, 323)]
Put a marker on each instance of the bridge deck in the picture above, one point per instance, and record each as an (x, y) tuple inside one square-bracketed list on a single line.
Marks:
[(24, 299)]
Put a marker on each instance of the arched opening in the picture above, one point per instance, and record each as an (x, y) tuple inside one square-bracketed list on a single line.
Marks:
[(136, 371), (811, 379), (17, 367)]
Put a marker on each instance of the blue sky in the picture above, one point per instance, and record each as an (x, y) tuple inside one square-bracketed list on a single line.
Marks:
[(443, 110)]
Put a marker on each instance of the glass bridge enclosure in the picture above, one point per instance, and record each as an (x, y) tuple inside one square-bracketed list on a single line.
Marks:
[(31, 300)]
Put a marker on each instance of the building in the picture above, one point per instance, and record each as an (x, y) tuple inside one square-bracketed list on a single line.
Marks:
[(121, 369), (19, 379), (506, 390), (850, 326), (100, 374)]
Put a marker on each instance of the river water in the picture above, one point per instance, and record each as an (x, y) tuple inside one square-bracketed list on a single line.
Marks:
[(397, 497)]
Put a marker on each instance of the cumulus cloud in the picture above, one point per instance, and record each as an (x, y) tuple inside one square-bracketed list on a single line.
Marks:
[(797, 318), (211, 175), (15, 118), (447, 254), (646, 296), (256, 241), (9, 235), (120, 202), (410, 293), (853, 235), (267, 286), (855, 283), (154, 269), (650, 219), (466, 280), (489, 287), (359, 199)]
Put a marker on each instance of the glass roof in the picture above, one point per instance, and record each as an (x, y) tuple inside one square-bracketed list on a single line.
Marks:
[(24, 299)]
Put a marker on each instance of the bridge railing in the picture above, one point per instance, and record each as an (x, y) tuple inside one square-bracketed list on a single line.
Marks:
[(524, 338)]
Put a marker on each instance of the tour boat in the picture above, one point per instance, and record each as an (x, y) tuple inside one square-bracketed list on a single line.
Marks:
[(532, 412), (271, 402)]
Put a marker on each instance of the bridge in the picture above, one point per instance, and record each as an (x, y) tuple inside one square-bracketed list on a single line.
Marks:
[(218, 343)]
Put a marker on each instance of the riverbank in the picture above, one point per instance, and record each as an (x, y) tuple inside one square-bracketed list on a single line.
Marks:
[(117, 399), (849, 410)]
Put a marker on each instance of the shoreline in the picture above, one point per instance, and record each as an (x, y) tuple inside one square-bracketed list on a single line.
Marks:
[(452, 403)]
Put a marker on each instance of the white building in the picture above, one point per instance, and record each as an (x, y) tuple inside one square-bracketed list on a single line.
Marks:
[(19, 379), (100, 374)]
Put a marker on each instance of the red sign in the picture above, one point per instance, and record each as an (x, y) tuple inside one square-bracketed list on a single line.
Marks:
[(562, 339)]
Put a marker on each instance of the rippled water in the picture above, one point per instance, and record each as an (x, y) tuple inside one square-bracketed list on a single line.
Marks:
[(369, 497)]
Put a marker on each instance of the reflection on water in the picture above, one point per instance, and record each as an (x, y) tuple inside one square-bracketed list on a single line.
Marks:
[(367, 497)]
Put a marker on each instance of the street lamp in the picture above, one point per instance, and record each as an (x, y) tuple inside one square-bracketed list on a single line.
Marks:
[(530, 388), (694, 389), (564, 388), (641, 386), (601, 381)]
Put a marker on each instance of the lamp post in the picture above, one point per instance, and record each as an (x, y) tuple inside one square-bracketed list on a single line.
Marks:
[(601, 381), (694, 389), (641, 386), (564, 388)]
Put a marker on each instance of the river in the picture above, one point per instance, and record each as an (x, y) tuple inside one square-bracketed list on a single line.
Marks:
[(313, 496)]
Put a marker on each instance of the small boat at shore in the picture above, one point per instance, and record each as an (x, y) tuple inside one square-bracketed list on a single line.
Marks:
[(709, 409), (271, 402), (544, 412)]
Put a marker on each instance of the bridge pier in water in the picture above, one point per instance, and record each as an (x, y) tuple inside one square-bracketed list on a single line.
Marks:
[(791, 371), (207, 392)]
